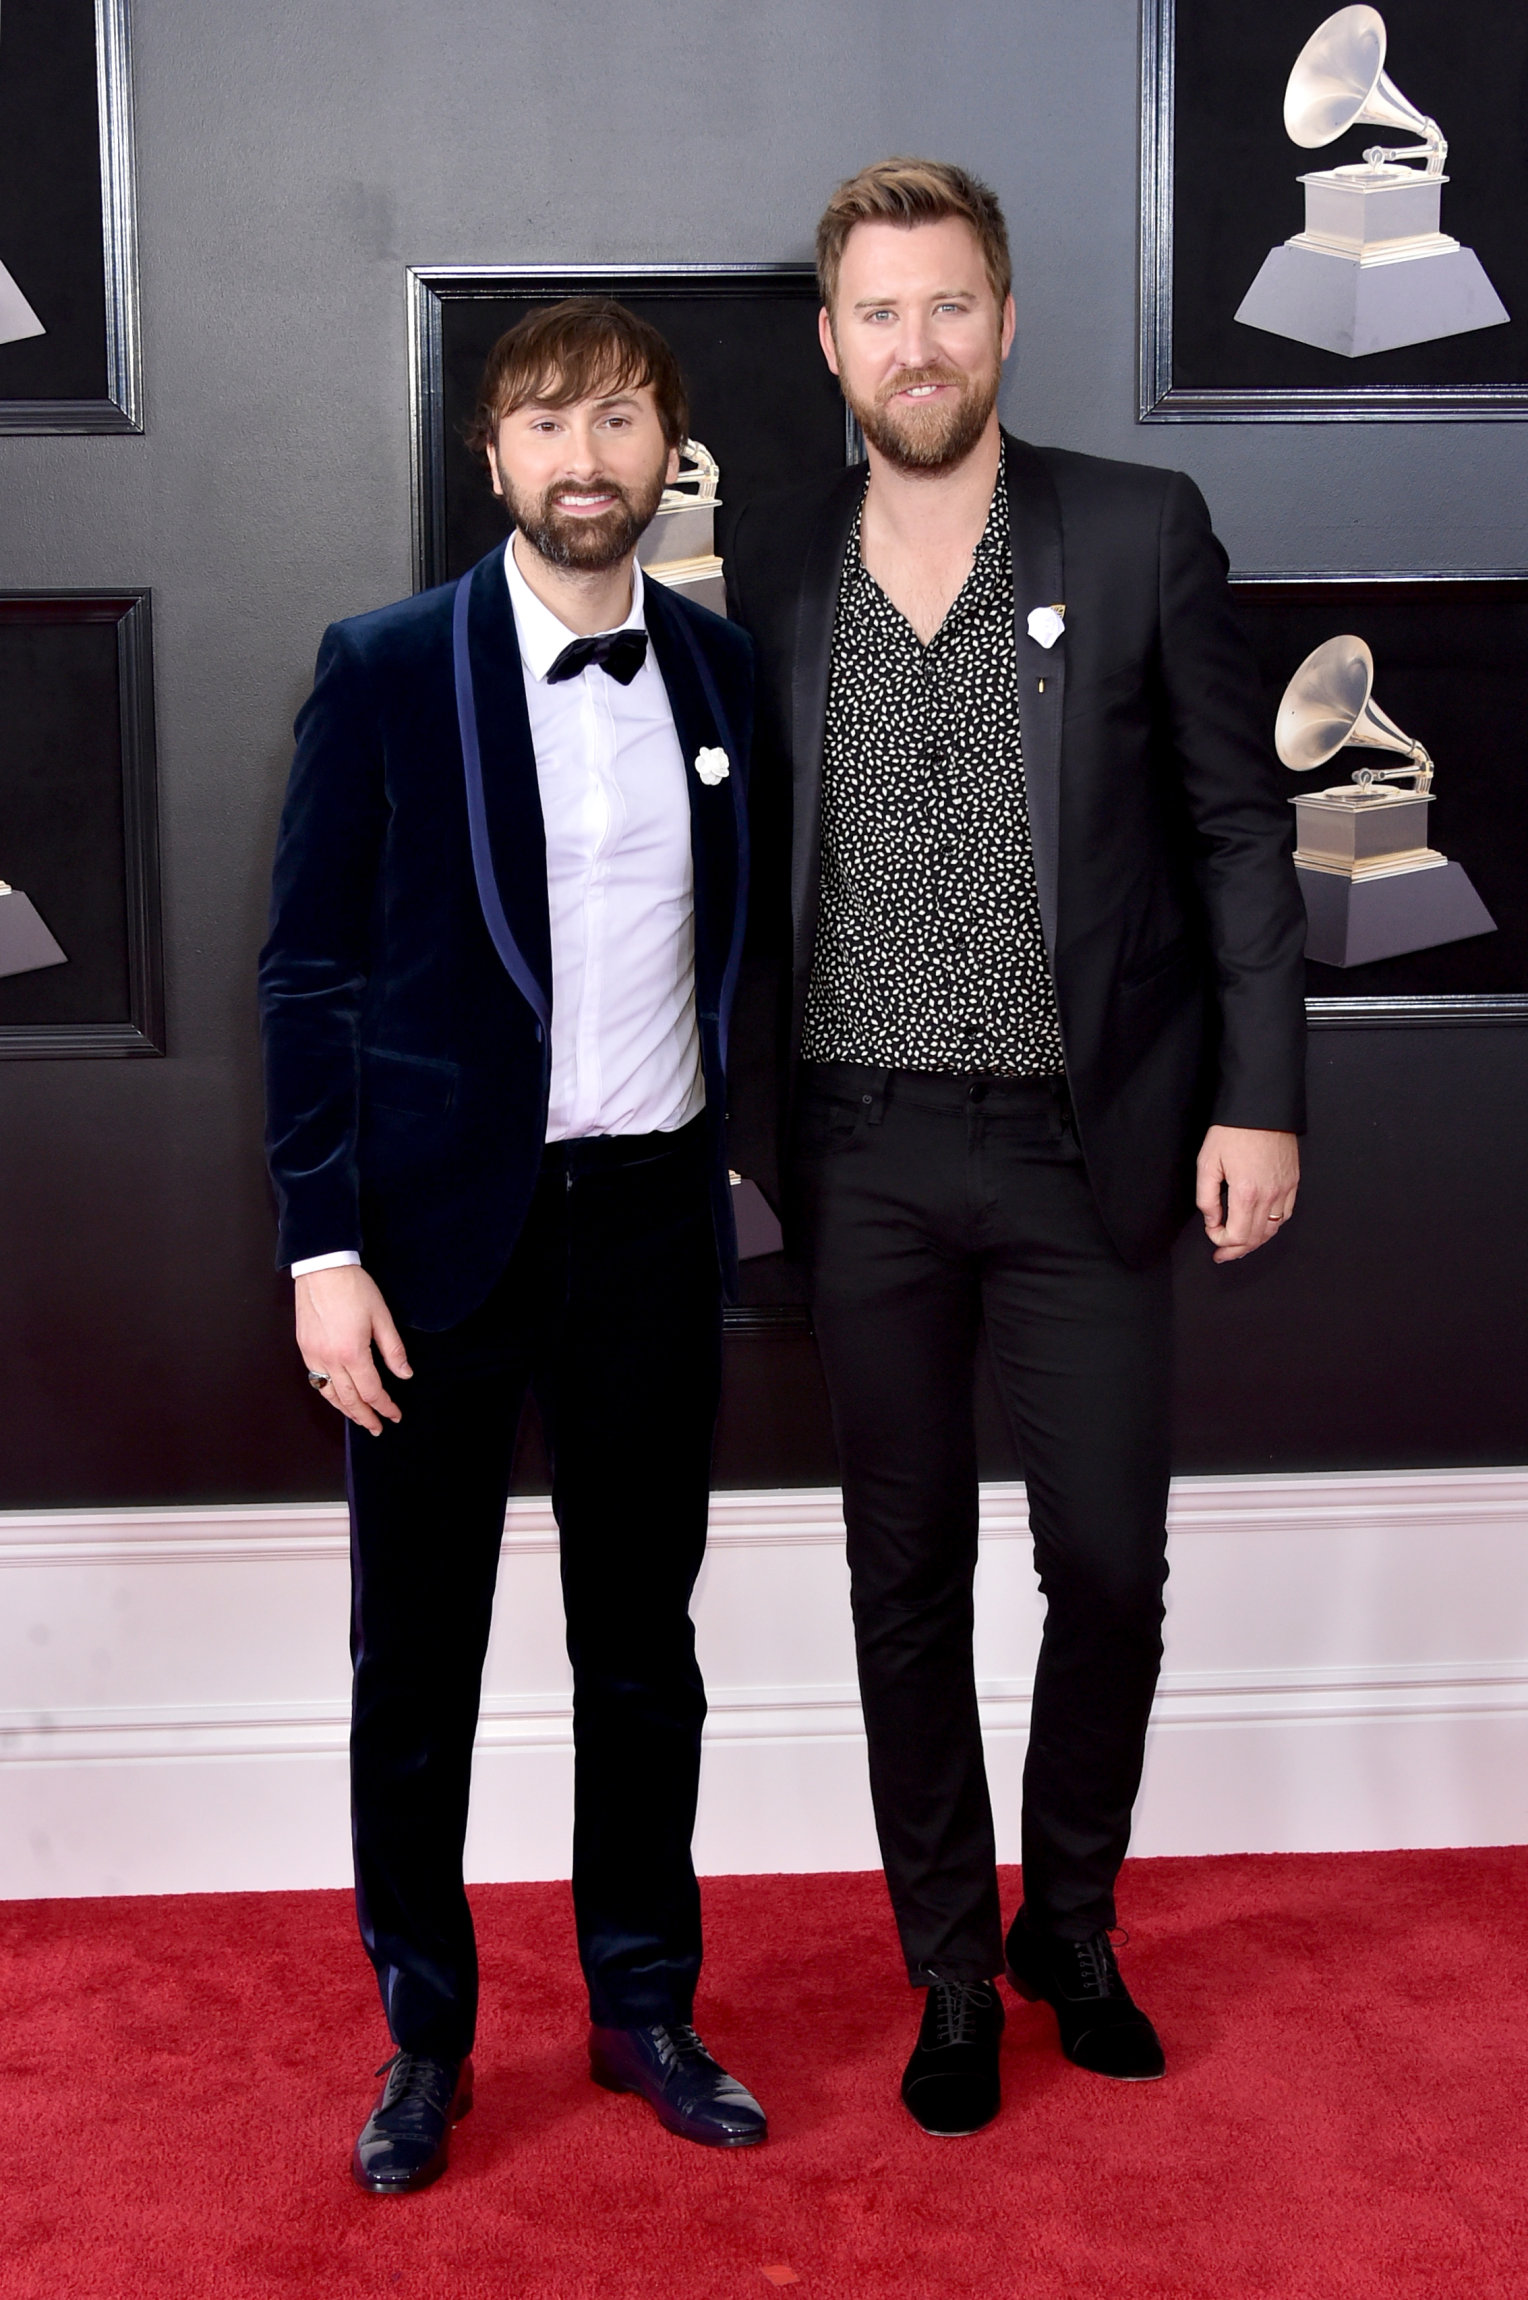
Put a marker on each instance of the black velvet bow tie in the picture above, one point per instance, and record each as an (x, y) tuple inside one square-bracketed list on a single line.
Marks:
[(621, 653)]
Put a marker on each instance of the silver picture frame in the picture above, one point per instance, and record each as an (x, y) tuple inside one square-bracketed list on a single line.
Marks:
[(120, 407), (122, 815), (1164, 400), (1356, 595)]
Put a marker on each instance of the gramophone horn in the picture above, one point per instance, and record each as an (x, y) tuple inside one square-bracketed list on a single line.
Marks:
[(1330, 699), (1340, 79)]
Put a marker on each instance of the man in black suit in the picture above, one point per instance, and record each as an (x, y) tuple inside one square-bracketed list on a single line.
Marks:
[(1041, 965), (506, 927)]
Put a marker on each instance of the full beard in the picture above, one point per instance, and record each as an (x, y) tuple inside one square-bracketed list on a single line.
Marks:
[(936, 435), (584, 545)]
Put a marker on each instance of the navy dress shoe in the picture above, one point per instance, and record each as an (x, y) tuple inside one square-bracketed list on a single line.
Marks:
[(405, 2141), (671, 2068), (951, 2086), (1102, 2027)]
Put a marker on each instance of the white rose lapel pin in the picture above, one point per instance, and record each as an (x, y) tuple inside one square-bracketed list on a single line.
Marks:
[(712, 765), (1046, 624)]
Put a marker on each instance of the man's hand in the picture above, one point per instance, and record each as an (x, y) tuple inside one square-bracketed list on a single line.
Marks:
[(340, 1313), (1259, 1174)]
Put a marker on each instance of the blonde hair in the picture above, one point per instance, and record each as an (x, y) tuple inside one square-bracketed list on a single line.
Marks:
[(913, 192)]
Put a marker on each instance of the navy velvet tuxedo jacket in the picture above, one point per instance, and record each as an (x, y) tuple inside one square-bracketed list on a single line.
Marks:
[(1160, 821), (405, 989)]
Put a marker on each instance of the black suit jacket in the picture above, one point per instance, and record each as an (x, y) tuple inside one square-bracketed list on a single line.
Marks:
[(406, 988), (1161, 830)]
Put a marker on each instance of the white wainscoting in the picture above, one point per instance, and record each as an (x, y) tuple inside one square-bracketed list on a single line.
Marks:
[(1347, 1667)]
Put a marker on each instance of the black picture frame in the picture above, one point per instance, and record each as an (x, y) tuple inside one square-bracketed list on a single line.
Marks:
[(79, 821), (1218, 190), (762, 397), (68, 216), (1451, 668)]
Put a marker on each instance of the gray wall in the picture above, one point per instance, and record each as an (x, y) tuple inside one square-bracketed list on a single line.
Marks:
[(293, 158)]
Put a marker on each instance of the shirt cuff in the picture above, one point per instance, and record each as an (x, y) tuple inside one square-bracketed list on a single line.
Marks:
[(349, 1260)]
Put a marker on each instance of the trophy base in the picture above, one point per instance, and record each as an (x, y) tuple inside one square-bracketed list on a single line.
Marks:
[(1353, 922), (25, 943), (699, 579), (758, 1229), (1340, 303), (17, 318)]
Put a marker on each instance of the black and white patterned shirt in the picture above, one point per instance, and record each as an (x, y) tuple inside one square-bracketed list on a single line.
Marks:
[(929, 953)]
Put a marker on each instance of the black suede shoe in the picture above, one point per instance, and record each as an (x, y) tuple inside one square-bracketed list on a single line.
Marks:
[(672, 2069), (951, 2085), (405, 2140), (1102, 2027)]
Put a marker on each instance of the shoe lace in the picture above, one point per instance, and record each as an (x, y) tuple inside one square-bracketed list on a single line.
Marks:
[(416, 2092), (684, 2043), (1097, 1970), (678, 2043), (957, 2007)]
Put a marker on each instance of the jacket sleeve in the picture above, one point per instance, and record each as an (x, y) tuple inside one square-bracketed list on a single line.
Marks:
[(1242, 825), (314, 967)]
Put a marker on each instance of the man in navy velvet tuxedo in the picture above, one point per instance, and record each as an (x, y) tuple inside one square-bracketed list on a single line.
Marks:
[(506, 927)]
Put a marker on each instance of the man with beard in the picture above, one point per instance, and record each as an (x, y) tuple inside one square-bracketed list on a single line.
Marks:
[(1040, 945), (506, 925)]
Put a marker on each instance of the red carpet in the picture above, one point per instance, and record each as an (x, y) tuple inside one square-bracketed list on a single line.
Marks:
[(1344, 2117)]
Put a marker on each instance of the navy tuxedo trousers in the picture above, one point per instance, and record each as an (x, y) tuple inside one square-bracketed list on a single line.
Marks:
[(935, 1207), (610, 1312)]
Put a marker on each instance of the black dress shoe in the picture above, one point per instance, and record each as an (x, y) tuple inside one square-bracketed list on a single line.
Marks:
[(405, 2140), (672, 2069), (1102, 2026), (951, 2085)]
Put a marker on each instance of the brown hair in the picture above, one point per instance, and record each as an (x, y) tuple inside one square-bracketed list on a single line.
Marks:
[(913, 192), (574, 350)]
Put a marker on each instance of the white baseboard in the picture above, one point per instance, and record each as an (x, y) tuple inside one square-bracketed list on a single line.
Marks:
[(1347, 1668)]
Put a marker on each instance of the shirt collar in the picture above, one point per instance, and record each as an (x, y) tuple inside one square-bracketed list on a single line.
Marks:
[(544, 635)]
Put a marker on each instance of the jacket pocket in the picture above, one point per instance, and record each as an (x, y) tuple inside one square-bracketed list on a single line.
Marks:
[(417, 1084)]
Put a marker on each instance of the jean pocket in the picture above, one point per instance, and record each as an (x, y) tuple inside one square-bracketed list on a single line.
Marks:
[(827, 1123)]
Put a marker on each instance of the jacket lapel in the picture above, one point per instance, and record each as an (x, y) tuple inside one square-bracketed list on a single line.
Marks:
[(1034, 515), (718, 811), (811, 664), (503, 798)]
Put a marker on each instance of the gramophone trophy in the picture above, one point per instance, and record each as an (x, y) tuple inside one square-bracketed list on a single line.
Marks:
[(1373, 886), (679, 548), (25, 943), (1371, 270)]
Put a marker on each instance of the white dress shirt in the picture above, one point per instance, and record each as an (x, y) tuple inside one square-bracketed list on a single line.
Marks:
[(620, 890)]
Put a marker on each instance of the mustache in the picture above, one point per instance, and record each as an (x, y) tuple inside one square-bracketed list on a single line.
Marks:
[(909, 378)]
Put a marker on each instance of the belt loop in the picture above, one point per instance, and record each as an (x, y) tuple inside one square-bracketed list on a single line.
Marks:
[(879, 1099)]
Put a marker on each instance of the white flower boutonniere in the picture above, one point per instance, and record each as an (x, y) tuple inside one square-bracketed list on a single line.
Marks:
[(1046, 624), (712, 765)]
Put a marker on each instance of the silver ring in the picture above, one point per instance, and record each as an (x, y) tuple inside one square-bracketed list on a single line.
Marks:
[(318, 1380)]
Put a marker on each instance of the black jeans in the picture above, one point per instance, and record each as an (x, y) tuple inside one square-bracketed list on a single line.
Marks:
[(610, 1310), (935, 1205)]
